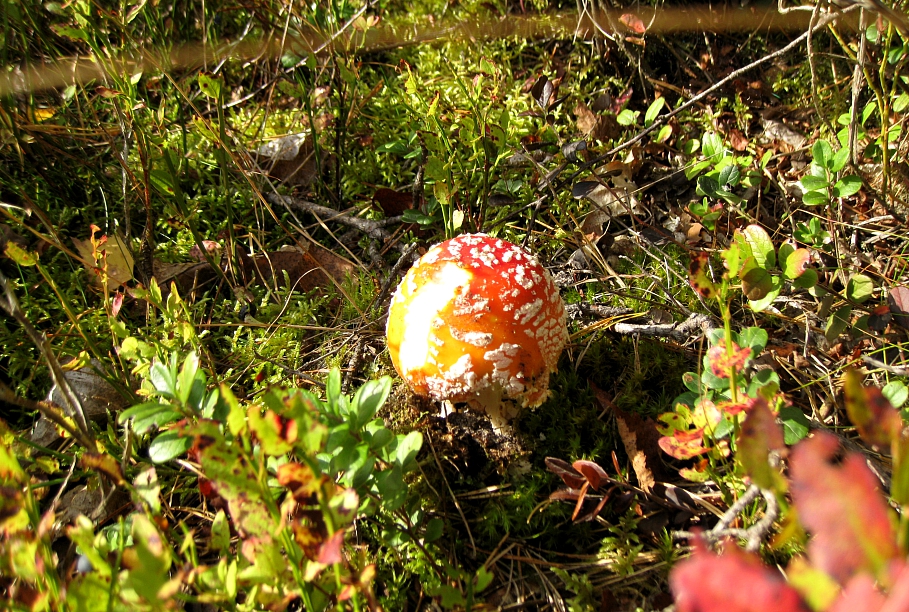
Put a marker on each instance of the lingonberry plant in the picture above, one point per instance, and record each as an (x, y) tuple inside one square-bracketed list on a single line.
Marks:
[(856, 551)]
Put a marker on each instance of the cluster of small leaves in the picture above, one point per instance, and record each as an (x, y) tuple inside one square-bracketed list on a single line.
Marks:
[(821, 185), (855, 559), (724, 173), (707, 416), (288, 475)]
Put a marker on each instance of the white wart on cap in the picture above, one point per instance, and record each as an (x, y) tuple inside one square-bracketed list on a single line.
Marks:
[(478, 320)]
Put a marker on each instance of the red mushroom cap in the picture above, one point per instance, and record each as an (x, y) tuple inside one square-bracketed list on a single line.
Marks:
[(476, 320)]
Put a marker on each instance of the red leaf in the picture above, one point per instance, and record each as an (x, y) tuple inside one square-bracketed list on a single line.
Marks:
[(594, 474), (841, 505), (759, 435), (860, 594), (899, 305), (698, 275), (568, 474), (633, 23), (619, 103), (684, 444), (720, 361), (733, 582), (877, 420), (330, 550)]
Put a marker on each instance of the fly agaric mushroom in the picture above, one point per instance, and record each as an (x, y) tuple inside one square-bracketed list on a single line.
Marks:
[(478, 320)]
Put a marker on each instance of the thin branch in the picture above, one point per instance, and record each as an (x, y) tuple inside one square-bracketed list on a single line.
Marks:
[(371, 228), (663, 119), (755, 534)]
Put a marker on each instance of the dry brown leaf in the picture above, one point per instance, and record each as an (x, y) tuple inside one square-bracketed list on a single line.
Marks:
[(305, 270), (615, 201), (291, 159), (639, 437)]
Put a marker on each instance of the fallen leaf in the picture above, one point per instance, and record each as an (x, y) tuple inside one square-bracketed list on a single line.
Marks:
[(564, 470), (305, 270), (640, 439), (615, 201), (393, 203), (291, 159), (104, 463)]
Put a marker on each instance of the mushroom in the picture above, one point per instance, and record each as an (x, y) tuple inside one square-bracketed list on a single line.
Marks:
[(478, 320)]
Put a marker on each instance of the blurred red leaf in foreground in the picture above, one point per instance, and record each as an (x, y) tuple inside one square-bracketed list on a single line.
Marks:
[(732, 582), (841, 505)]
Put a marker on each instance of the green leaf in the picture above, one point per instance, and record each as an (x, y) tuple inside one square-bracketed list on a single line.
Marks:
[(814, 198), (837, 323), (653, 110), (807, 280), (151, 415), (20, 255), (163, 377), (168, 445), (756, 244), (392, 488), (148, 489), (712, 146), (433, 530), (897, 392), (754, 338), (776, 286), (210, 85), (370, 397), (793, 261), (859, 288), (627, 117), (407, 449), (847, 186), (795, 424), (707, 186), (729, 175), (220, 532), (187, 377), (664, 133), (381, 438), (813, 183), (435, 169), (691, 146), (823, 154), (839, 160)]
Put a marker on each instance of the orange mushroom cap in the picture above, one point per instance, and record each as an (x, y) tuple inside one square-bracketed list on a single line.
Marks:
[(477, 319)]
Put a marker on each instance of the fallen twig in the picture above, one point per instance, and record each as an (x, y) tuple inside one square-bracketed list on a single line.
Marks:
[(373, 229), (754, 534)]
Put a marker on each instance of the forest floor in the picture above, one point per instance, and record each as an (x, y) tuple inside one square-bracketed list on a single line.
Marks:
[(206, 208)]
